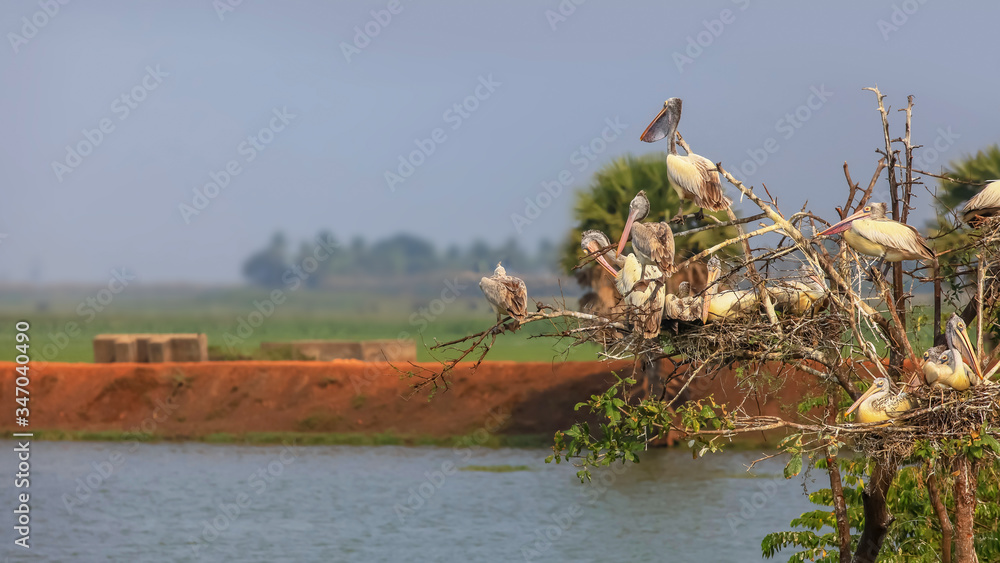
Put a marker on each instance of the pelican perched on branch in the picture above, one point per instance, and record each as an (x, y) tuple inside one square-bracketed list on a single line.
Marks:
[(646, 297), (720, 305), (694, 177), (507, 294), (959, 343), (801, 294), (593, 241), (869, 232), (653, 243), (944, 368), (983, 205), (880, 403)]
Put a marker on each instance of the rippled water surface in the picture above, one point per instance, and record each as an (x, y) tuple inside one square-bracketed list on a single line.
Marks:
[(198, 502)]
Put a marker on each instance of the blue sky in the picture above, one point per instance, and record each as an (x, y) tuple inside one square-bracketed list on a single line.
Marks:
[(205, 89)]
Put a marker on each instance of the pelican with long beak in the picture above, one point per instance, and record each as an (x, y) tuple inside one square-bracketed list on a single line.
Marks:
[(945, 369), (869, 232), (507, 294), (645, 297), (653, 243), (694, 177), (592, 242), (720, 305), (879, 403), (958, 342), (801, 294), (983, 205)]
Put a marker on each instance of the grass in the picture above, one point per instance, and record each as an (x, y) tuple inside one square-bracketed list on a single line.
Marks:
[(306, 439), (63, 326)]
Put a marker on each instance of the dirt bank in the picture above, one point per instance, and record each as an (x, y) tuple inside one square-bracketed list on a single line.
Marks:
[(195, 400)]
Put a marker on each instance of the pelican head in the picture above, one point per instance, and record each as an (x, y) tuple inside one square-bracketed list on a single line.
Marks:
[(684, 289), (714, 272), (872, 211), (665, 123), (592, 242), (879, 386), (500, 271), (958, 340), (637, 211)]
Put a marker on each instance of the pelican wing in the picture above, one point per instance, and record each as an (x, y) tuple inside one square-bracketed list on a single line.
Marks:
[(984, 204), (507, 294), (656, 241), (699, 180), (894, 235)]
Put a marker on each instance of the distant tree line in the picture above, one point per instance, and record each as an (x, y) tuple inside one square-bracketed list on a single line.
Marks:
[(396, 256)]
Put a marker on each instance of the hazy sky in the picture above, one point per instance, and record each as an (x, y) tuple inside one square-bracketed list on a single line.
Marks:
[(198, 82)]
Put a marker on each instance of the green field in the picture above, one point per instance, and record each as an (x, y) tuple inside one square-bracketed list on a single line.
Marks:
[(305, 314)]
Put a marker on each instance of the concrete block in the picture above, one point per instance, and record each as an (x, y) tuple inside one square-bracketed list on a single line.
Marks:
[(389, 351), (125, 348), (159, 349), (104, 348), (189, 347)]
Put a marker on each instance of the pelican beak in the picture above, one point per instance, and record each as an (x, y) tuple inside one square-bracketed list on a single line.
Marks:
[(657, 129), (861, 399), (706, 298), (593, 248), (966, 350), (628, 229), (845, 224)]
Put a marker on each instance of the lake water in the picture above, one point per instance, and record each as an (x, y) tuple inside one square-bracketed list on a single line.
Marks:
[(199, 502)]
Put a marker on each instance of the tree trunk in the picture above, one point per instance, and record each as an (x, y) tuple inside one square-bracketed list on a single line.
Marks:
[(839, 508), (965, 507), (877, 517), (947, 530)]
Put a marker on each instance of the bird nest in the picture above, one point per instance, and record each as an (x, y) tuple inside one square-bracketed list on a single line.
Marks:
[(940, 417)]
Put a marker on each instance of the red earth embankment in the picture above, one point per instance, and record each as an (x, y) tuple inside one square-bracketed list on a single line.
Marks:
[(193, 400)]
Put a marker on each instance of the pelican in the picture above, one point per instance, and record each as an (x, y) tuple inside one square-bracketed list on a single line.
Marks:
[(653, 243), (945, 369), (694, 177), (983, 205), (645, 296), (592, 241), (801, 294), (506, 294), (958, 342), (879, 403), (720, 305), (869, 232)]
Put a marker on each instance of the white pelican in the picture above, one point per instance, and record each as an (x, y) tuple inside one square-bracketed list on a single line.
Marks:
[(592, 241), (646, 297), (983, 205), (869, 232), (945, 369), (694, 177), (801, 294), (506, 294), (720, 305), (958, 342), (879, 403), (653, 243)]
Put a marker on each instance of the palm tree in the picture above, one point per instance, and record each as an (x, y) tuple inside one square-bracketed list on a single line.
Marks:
[(604, 206)]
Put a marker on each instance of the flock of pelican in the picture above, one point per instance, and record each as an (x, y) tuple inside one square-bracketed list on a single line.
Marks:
[(640, 277)]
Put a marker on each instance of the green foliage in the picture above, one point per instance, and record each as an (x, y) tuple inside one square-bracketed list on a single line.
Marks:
[(604, 206), (915, 534)]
